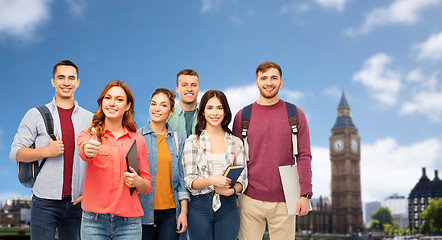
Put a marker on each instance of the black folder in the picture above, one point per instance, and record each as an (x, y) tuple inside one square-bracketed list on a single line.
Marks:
[(132, 161)]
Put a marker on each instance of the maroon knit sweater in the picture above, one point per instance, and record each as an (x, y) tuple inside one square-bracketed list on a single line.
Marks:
[(270, 146)]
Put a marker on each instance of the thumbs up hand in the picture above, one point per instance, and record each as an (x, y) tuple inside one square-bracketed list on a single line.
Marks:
[(91, 148), (94, 134)]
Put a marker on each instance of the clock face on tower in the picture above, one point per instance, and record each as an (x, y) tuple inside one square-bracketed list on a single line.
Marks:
[(354, 145), (338, 145)]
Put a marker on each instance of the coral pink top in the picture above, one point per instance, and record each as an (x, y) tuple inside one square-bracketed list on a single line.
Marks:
[(104, 190)]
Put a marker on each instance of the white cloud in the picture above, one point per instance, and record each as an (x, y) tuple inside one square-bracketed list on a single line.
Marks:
[(382, 83), (398, 12), (431, 49), (291, 95), (294, 8), (334, 4), (321, 170), (415, 75), (428, 103), (427, 100), (235, 20), (425, 95), (76, 6), (210, 5), (239, 97), (333, 91), (20, 18), (386, 167)]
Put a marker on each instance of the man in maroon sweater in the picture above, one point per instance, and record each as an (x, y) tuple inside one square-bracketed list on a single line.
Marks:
[(270, 146)]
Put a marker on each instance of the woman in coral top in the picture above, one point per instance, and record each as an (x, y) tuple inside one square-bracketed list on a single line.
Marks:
[(165, 206), (109, 209)]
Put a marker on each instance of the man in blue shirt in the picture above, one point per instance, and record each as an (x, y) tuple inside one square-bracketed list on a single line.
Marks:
[(183, 120), (58, 189)]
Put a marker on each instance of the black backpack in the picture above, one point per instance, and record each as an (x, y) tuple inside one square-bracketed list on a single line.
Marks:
[(292, 113), (27, 172)]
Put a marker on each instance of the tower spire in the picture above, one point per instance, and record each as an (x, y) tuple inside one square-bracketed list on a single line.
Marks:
[(344, 115), (343, 103)]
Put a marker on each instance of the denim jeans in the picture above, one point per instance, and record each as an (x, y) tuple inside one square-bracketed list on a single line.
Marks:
[(164, 227), (48, 215), (206, 224), (105, 226)]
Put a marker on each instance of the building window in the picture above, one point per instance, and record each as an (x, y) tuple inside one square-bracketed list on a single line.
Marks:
[(415, 201), (416, 216), (415, 208), (422, 200), (422, 208)]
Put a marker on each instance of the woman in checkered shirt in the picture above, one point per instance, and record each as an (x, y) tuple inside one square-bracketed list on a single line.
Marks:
[(213, 212)]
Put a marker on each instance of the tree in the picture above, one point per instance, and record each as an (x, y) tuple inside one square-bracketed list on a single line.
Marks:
[(388, 229), (433, 217), (383, 215), (375, 225)]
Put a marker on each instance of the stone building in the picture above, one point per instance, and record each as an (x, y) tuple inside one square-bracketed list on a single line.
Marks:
[(420, 196), (16, 212)]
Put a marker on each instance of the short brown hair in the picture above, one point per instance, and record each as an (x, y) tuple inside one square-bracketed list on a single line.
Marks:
[(264, 66), (189, 72), (169, 93), (64, 63)]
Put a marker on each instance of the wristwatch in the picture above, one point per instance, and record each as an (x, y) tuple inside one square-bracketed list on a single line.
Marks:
[(308, 195)]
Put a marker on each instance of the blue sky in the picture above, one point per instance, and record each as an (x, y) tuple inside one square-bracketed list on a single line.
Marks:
[(386, 55)]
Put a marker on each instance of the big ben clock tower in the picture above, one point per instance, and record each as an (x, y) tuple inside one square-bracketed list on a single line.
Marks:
[(345, 157)]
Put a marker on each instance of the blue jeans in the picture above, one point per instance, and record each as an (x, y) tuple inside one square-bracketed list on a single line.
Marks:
[(164, 227), (49, 215), (206, 224), (105, 226)]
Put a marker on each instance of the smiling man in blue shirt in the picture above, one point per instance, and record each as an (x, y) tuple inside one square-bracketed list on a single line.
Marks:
[(183, 119), (58, 189)]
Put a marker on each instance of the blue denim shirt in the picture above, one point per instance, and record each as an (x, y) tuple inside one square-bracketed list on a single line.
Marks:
[(49, 182), (180, 192)]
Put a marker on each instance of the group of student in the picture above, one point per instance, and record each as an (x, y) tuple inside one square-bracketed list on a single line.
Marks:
[(84, 188)]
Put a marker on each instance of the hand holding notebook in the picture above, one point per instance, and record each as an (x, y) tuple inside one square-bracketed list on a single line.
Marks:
[(233, 172), (132, 161)]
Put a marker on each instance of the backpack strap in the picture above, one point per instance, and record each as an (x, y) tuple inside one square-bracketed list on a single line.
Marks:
[(245, 123), (49, 122), (292, 113)]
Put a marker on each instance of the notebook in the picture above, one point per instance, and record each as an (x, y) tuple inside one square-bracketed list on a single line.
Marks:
[(233, 173), (132, 161)]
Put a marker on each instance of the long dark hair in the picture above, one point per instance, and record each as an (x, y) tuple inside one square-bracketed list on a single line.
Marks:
[(201, 124), (98, 119)]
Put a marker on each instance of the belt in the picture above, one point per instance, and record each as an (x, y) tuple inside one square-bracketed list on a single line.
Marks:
[(66, 197)]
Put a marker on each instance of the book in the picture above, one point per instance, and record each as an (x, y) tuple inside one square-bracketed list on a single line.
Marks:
[(132, 161), (233, 173)]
